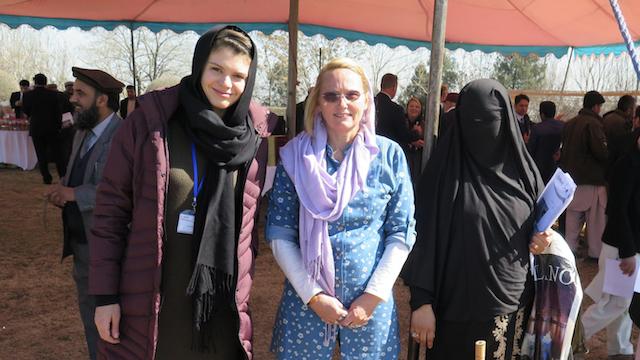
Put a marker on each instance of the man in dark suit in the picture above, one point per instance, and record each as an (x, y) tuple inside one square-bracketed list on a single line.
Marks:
[(67, 132), (96, 95), (300, 112), (521, 108), (544, 141), (130, 103), (42, 106), (391, 121), (16, 98)]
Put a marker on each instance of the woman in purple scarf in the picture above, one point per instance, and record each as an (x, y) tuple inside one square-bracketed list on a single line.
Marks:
[(340, 224)]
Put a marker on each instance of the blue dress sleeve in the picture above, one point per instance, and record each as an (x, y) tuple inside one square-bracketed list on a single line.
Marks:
[(400, 223), (283, 210)]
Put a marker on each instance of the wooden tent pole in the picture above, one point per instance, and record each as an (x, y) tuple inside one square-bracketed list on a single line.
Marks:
[(293, 67), (435, 77)]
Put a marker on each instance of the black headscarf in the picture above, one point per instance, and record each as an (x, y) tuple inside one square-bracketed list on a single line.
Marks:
[(228, 144), (474, 210)]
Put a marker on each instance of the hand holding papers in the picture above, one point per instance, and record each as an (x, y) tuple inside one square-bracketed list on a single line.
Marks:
[(555, 198), (617, 283)]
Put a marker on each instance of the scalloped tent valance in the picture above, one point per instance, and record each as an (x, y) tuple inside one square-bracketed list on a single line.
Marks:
[(505, 26)]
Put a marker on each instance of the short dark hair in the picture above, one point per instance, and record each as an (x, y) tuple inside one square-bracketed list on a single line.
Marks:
[(40, 79), (626, 103), (130, 87), (24, 82), (591, 99), (521, 97), (548, 109), (637, 111), (113, 101), (388, 81)]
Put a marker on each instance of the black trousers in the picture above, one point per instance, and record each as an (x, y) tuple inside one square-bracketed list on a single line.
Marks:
[(48, 149)]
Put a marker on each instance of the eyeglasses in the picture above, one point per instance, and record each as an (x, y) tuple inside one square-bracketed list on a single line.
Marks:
[(334, 97)]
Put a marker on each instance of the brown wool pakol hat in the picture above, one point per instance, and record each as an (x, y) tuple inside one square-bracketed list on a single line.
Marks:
[(98, 79)]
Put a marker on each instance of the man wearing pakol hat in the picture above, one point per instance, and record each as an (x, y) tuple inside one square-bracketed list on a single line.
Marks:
[(96, 100)]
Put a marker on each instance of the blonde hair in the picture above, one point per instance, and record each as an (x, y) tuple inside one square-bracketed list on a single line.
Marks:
[(314, 96), (413, 98)]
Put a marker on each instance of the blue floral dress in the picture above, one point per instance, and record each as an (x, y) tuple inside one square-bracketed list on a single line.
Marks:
[(379, 214)]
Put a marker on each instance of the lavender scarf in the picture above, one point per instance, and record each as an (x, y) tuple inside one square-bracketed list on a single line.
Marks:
[(322, 196)]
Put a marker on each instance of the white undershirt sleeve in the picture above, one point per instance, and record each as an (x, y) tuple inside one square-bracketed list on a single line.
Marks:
[(289, 257), (384, 276)]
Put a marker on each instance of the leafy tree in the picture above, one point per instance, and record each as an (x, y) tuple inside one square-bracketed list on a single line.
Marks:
[(518, 72), (419, 84)]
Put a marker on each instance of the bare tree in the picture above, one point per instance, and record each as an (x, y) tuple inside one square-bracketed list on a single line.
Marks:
[(36, 51), (271, 82), (156, 54), (590, 72)]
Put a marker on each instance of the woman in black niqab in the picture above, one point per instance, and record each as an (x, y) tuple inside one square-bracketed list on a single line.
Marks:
[(474, 209)]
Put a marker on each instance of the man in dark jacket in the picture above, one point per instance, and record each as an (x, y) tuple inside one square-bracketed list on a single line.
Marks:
[(544, 142), (300, 112), (16, 98), (67, 131), (42, 106), (96, 96), (617, 124), (391, 121), (130, 103), (584, 157)]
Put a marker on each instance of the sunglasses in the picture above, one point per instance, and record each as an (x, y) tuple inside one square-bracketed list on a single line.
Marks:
[(334, 97)]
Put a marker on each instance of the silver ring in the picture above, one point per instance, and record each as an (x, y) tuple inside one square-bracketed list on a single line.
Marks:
[(342, 317), (414, 334)]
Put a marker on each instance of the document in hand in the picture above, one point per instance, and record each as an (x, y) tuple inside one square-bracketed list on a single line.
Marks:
[(555, 198), (617, 283)]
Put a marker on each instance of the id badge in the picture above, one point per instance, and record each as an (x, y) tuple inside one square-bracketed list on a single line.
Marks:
[(185, 222)]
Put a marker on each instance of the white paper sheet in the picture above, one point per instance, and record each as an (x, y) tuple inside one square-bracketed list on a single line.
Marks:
[(555, 197), (617, 283)]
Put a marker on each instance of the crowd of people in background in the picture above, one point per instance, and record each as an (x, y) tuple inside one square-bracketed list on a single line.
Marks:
[(159, 196)]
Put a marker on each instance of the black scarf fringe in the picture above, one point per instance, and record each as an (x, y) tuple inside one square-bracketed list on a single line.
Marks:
[(211, 289)]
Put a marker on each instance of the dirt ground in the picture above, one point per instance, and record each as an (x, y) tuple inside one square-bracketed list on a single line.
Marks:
[(38, 310)]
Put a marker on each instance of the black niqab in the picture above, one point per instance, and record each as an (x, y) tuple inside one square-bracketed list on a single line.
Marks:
[(228, 144), (474, 211)]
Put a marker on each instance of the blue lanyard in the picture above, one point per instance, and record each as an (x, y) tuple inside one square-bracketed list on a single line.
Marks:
[(197, 185)]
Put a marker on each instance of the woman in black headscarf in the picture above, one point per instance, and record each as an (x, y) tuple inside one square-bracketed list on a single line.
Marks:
[(469, 269), (172, 252)]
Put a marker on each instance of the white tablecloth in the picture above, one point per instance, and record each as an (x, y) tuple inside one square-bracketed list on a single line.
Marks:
[(16, 147)]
